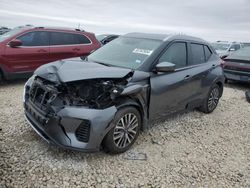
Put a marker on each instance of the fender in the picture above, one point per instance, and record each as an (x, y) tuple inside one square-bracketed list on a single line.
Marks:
[(136, 95)]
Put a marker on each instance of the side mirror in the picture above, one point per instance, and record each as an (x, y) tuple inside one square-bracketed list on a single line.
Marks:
[(165, 67), (15, 43), (104, 41)]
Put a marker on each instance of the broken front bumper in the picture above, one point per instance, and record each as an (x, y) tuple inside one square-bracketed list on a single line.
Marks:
[(70, 127)]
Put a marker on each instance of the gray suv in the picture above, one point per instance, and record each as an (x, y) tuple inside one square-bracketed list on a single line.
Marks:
[(121, 88)]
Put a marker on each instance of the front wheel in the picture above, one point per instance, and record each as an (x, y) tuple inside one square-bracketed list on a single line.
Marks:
[(126, 127), (1, 76), (212, 100)]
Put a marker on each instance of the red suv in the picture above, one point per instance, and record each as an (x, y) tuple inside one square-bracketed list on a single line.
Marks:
[(24, 49)]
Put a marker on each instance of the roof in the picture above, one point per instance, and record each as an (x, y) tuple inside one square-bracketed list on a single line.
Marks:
[(147, 36), (48, 27), (164, 37)]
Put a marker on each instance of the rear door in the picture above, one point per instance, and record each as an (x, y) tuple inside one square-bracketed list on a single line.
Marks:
[(33, 53), (199, 67), (62, 46), (66, 45)]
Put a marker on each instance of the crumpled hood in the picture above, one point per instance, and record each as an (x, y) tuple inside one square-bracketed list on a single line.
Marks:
[(72, 70)]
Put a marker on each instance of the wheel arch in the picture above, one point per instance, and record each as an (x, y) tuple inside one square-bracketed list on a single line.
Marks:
[(220, 84), (2, 76), (128, 102)]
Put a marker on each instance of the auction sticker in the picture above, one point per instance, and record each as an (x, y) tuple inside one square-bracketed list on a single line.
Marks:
[(142, 51)]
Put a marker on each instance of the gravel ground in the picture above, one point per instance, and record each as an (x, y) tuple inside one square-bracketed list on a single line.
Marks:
[(188, 150)]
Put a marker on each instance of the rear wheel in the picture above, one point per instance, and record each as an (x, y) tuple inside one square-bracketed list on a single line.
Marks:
[(248, 95), (126, 127), (212, 100)]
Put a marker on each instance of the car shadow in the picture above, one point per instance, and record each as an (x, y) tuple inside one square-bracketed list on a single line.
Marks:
[(12, 82), (238, 85)]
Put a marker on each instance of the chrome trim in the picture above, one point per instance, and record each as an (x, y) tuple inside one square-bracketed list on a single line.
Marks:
[(71, 32)]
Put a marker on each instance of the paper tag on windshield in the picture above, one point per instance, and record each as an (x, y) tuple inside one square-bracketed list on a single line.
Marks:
[(142, 51)]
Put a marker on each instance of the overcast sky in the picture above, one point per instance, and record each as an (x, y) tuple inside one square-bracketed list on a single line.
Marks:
[(209, 19)]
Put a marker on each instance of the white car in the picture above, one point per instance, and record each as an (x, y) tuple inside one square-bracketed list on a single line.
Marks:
[(224, 48)]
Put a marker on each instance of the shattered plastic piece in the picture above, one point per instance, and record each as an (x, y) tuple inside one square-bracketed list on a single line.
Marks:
[(136, 156)]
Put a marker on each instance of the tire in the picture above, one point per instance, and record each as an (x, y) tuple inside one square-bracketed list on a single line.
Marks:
[(1, 76), (248, 95), (83, 58), (126, 127), (212, 100)]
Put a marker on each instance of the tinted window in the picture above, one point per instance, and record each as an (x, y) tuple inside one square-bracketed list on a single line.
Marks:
[(208, 52), (58, 38), (235, 47), (82, 39), (198, 55), (177, 54), (37, 38)]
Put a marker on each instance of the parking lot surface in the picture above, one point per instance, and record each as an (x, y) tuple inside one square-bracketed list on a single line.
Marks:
[(187, 150)]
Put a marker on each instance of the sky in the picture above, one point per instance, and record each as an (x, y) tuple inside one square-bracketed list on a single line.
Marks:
[(209, 19)]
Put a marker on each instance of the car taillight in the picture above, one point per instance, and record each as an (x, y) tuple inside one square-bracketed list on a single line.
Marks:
[(222, 63)]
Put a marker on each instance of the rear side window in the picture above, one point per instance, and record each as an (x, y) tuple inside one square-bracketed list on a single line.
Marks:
[(208, 52), (198, 55), (82, 39), (235, 47), (177, 54), (60, 38), (36, 38)]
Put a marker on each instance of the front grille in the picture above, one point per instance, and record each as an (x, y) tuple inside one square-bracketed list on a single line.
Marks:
[(83, 131), (37, 116), (42, 95)]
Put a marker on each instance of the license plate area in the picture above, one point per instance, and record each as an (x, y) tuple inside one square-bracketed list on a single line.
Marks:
[(244, 78)]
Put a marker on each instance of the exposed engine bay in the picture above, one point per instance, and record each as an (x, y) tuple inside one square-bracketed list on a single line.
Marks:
[(98, 93)]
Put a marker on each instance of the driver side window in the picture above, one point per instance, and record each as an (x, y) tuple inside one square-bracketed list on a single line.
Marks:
[(36, 38), (177, 54)]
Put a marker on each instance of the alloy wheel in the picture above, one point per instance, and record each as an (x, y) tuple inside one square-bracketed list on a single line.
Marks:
[(125, 130), (213, 99)]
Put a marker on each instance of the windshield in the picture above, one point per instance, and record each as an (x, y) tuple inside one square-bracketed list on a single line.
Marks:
[(9, 34), (125, 52), (221, 46)]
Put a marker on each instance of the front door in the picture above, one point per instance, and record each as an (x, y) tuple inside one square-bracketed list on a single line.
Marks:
[(169, 91), (33, 53)]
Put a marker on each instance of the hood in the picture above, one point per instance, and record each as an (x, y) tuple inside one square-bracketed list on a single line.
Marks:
[(72, 70), (222, 52)]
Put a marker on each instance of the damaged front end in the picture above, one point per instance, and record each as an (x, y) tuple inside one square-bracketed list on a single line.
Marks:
[(74, 114), (96, 93)]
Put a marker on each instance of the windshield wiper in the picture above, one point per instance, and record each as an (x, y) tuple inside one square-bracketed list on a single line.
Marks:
[(100, 63)]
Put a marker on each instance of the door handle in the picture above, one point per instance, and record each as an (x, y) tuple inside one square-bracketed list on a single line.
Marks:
[(76, 49), (213, 65), (41, 50), (187, 77)]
